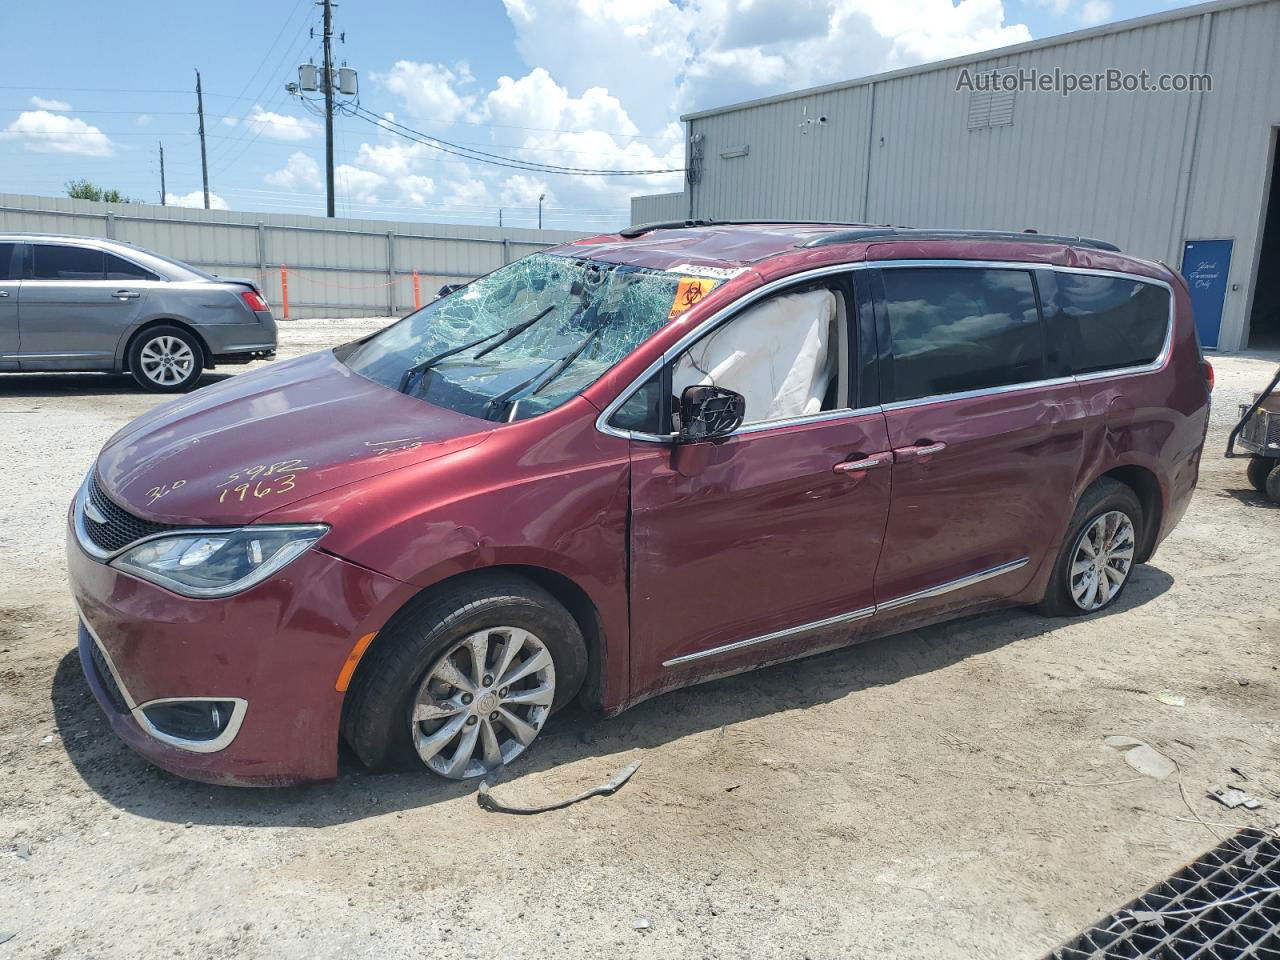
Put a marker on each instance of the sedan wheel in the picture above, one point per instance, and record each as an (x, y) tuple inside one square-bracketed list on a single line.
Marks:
[(167, 361), (1102, 559), (483, 702)]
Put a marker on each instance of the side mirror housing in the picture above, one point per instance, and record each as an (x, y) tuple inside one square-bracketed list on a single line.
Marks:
[(707, 413)]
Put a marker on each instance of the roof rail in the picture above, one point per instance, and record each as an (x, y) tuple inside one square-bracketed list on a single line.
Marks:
[(640, 229), (921, 233)]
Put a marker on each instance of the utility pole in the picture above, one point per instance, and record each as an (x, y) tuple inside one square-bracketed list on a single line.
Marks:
[(162, 189), (541, 197), (204, 157), (328, 105)]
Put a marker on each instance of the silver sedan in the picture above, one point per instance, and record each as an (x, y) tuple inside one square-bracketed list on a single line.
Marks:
[(86, 303)]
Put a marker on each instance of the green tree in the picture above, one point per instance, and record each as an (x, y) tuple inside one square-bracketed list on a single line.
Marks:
[(83, 189)]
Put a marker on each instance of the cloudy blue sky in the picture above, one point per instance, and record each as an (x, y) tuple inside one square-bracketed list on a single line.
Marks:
[(90, 89)]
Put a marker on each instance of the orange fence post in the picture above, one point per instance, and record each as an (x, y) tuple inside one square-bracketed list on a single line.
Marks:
[(284, 289), (417, 294)]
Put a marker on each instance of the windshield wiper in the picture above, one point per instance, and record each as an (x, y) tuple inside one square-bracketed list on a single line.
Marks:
[(539, 381), (413, 376)]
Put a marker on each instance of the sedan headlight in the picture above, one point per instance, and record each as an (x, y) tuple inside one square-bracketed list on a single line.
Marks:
[(217, 563)]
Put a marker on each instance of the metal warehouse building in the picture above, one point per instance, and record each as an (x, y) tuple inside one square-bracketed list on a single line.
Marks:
[(1183, 177)]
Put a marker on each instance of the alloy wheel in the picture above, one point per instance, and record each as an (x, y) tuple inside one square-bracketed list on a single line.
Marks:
[(1102, 559), (166, 360), (483, 702)]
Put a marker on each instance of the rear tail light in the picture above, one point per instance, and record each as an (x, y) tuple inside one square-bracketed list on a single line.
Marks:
[(253, 300), (1208, 374)]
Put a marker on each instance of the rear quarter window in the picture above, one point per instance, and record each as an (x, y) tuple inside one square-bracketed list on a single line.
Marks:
[(1104, 323), (119, 268), (955, 329)]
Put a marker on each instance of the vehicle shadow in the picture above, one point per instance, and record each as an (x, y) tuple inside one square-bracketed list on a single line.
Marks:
[(128, 782), (85, 384), (1247, 496)]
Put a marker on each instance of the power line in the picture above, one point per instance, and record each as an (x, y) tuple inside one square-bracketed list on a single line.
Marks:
[(482, 156)]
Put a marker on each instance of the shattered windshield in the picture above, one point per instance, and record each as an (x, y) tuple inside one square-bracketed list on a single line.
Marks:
[(523, 339)]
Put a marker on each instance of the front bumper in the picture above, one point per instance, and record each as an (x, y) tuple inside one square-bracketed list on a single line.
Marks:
[(277, 649)]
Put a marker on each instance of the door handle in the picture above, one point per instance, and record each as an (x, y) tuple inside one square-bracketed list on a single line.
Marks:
[(919, 451), (857, 468), (126, 295), (4, 293)]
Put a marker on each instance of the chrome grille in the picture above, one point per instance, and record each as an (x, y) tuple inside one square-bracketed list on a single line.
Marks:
[(121, 527)]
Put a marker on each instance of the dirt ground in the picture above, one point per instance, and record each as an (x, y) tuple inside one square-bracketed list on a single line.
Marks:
[(941, 794)]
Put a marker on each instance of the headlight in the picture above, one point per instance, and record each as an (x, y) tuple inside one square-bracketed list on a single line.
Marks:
[(217, 563)]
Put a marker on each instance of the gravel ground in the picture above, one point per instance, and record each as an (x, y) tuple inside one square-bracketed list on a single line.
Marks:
[(941, 794)]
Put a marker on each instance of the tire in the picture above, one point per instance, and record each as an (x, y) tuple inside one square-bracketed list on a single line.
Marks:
[(1260, 468), (1103, 501), (400, 678), (1273, 484), (166, 359)]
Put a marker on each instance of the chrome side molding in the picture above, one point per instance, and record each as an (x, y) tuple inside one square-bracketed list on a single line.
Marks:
[(860, 614)]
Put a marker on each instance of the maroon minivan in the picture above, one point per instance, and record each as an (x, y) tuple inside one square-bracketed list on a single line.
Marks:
[(625, 465)]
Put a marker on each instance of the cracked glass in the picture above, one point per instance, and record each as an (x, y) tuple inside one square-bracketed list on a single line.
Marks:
[(521, 340)]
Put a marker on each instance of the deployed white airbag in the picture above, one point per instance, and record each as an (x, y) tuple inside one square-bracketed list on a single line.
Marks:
[(777, 354)]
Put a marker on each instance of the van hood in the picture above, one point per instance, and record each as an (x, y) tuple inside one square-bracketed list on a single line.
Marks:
[(232, 452)]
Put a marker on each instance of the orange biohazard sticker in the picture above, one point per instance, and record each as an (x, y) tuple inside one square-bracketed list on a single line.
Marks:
[(689, 291)]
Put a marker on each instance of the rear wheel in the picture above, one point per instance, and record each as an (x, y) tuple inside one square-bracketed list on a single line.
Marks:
[(1260, 468), (166, 359), (1098, 553), (1273, 484), (463, 680)]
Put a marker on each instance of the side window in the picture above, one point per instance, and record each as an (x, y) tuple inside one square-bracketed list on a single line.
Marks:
[(787, 355), (10, 265), (958, 328), (59, 262), (1104, 323), (642, 411), (118, 268)]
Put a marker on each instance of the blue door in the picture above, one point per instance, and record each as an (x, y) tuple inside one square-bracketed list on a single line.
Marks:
[(1206, 265)]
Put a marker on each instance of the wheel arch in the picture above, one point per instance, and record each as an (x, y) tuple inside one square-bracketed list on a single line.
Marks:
[(1146, 486), (127, 341), (568, 593)]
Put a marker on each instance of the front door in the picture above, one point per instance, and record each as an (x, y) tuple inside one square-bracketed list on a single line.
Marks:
[(763, 545), (10, 284), (986, 444), (72, 316)]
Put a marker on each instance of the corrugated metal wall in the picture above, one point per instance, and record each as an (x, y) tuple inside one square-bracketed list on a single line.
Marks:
[(335, 268), (1145, 170), (659, 206)]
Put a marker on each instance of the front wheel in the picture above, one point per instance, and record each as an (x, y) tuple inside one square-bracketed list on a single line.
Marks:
[(1098, 553), (166, 359), (463, 680)]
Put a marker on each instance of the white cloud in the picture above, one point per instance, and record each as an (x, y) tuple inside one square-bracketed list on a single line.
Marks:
[(362, 186), (43, 132), (416, 189), (1095, 12), (299, 172), (143, 120), (280, 126), (430, 90), (195, 199), (229, 121), (58, 106)]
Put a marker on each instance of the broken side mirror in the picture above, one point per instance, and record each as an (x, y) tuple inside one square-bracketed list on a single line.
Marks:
[(709, 412)]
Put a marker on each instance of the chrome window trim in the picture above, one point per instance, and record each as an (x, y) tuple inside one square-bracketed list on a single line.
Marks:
[(859, 614), (239, 706), (724, 314)]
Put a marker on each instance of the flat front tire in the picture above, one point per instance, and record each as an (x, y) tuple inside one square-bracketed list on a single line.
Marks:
[(1098, 554), (166, 359), (462, 680)]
